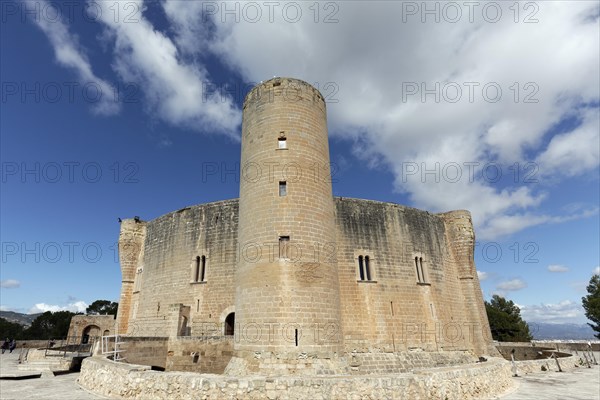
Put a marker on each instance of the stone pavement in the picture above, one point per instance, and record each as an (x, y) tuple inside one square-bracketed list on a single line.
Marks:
[(48, 387), (579, 384)]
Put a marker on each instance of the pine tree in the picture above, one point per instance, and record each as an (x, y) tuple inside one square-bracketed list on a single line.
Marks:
[(505, 320), (591, 304)]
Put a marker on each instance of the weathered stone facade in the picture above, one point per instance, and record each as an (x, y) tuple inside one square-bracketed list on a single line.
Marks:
[(292, 274)]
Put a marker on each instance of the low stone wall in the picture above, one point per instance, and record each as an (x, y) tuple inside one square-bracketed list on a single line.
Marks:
[(549, 364), (470, 381), (568, 346), (526, 352)]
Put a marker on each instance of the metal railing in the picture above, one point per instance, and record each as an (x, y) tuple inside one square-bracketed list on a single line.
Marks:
[(111, 346), (74, 345)]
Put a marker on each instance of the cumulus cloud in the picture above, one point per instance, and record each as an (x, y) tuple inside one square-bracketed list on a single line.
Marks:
[(566, 311), (70, 54), (78, 306), (482, 275), (179, 92), (383, 103), (557, 268), (9, 283), (511, 285), (596, 271)]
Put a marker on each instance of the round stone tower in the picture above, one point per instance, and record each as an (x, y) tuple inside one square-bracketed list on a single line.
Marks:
[(287, 290)]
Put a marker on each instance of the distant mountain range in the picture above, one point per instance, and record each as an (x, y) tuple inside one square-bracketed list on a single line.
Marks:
[(23, 319), (542, 331)]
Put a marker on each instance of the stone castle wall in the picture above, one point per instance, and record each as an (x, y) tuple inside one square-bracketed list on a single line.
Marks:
[(294, 272), (390, 313), (167, 299), (396, 310)]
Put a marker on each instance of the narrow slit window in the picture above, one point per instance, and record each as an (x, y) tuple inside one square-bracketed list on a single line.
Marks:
[(203, 269), (197, 270), (367, 268), (418, 270), (283, 188), (422, 270), (284, 242), (361, 269), (296, 336)]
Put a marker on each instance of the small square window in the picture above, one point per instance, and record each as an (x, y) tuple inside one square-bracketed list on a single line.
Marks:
[(282, 189), (282, 143)]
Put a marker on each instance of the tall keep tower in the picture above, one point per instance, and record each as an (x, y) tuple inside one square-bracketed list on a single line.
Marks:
[(287, 290)]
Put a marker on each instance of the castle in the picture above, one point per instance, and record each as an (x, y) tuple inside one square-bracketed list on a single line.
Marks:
[(288, 279)]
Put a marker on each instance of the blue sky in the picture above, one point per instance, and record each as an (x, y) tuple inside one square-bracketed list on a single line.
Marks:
[(121, 109)]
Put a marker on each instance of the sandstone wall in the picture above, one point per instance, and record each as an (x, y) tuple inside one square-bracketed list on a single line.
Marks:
[(397, 310), (150, 351), (168, 297), (392, 312), (284, 278), (204, 355)]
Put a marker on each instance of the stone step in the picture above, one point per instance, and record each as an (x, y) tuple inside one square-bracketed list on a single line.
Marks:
[(53, 365)]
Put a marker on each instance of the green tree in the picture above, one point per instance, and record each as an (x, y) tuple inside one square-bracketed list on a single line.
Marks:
[(50, 325), (102, 307), (10, 330), (505, 320), (591, 304)]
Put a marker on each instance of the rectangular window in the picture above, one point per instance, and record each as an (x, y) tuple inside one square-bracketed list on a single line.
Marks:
[(282, 188), (282, 143), (284, 242)]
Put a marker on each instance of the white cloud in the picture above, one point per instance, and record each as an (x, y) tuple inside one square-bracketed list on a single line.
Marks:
[(566, 311), (557, 268), (383, 58), (78, 306), (482, 275), (571, 153), (174, 89), (70, 54), (511, 285), (596, 271), (10, 283)]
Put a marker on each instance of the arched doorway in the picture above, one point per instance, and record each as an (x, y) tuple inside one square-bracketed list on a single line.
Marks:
[(90, 331), (229, 324)]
